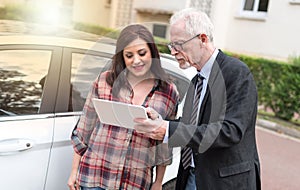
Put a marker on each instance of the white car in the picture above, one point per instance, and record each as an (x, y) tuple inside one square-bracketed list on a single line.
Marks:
[(43, 83)]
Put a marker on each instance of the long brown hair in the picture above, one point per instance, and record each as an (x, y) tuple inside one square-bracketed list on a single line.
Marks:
[(128, 35)]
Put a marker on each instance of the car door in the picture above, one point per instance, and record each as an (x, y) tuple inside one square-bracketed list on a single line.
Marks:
[(28, 85), (79, 69)]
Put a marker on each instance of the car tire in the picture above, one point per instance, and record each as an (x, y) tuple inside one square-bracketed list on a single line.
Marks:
[(170, 185)]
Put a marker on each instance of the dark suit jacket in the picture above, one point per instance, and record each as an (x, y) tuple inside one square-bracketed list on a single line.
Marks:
[(223, 142)]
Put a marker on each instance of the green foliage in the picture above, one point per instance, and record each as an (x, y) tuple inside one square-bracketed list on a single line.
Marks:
[(278, 85), (11, 12), (2, 13), (18, 12), (96, 29), (286, 98), (161, 45), (295, 60)]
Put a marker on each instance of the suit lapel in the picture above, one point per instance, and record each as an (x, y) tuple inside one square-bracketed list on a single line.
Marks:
[(186, 115), (211, 82), (187, 111)]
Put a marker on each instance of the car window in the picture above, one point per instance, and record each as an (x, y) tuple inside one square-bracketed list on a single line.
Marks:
[(181, 83), (22, 77), (85, 69)]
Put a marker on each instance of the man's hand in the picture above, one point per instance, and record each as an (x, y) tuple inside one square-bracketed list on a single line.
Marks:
[(153, 127)]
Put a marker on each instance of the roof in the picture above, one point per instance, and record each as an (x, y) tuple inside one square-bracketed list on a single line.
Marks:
[(154, 11), (55, 41)]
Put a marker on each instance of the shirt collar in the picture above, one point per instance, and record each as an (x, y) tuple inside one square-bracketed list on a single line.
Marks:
[(205, 71)]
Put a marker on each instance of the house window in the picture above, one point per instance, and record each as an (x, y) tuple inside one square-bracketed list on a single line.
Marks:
[(254, 9), (159, 30), (256, 5), (108, 3), (294, 1)]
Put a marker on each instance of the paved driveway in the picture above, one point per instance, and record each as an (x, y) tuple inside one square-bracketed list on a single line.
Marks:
[(280, 160)]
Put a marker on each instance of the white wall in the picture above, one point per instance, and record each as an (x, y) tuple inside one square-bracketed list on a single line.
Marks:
[(166, 5), (7, 2), (275, 37), (92, 12), (220, 15)]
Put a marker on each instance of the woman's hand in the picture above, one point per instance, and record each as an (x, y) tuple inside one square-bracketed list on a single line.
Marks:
[(72, 184), (156, 186), (72, 181)]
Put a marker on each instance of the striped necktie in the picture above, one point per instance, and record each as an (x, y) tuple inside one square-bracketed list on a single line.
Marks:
[(186, 156)]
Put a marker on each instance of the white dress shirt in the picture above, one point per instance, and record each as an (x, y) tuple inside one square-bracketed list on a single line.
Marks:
[(205, 72)]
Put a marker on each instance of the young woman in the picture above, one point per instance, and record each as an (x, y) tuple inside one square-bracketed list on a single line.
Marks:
[(112, 157)]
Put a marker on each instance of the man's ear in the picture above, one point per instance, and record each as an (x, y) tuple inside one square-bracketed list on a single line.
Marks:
[(203, 38)]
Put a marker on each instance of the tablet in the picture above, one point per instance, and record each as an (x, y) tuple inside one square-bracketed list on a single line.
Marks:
[(118, 113)]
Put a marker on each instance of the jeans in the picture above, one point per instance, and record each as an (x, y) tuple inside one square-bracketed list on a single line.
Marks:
[(191, 182)]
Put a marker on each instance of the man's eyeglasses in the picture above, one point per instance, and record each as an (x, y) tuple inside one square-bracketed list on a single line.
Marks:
[(177, 46)]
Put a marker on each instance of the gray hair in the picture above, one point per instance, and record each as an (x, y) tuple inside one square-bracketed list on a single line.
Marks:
[(196, 22)]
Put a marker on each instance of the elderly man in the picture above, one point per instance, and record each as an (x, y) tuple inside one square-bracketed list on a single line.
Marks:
[(217, 128)]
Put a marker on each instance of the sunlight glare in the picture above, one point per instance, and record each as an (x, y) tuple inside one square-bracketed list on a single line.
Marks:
[(49, 12)]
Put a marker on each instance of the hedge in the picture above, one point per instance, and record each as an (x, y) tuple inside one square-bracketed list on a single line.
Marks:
[(278, 84)]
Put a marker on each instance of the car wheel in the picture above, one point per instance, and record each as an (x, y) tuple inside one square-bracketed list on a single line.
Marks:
[(170, 185)]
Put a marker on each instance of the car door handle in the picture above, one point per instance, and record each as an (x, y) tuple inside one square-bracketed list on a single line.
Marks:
[(15, 145)]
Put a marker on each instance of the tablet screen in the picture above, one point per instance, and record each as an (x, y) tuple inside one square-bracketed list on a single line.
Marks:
[(118, 113)]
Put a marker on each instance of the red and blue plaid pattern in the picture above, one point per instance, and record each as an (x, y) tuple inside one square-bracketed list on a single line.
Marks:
[(115, 157)]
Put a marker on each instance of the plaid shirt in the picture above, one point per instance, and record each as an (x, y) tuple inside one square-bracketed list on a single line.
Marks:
[(115, 157)]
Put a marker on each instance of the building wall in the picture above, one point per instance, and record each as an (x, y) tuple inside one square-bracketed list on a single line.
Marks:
[(7, 2), (220, 15), (277, 36), (107, 13), (156, 12), (160, 5), (150, 19), (123, 13), (96, 12)]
